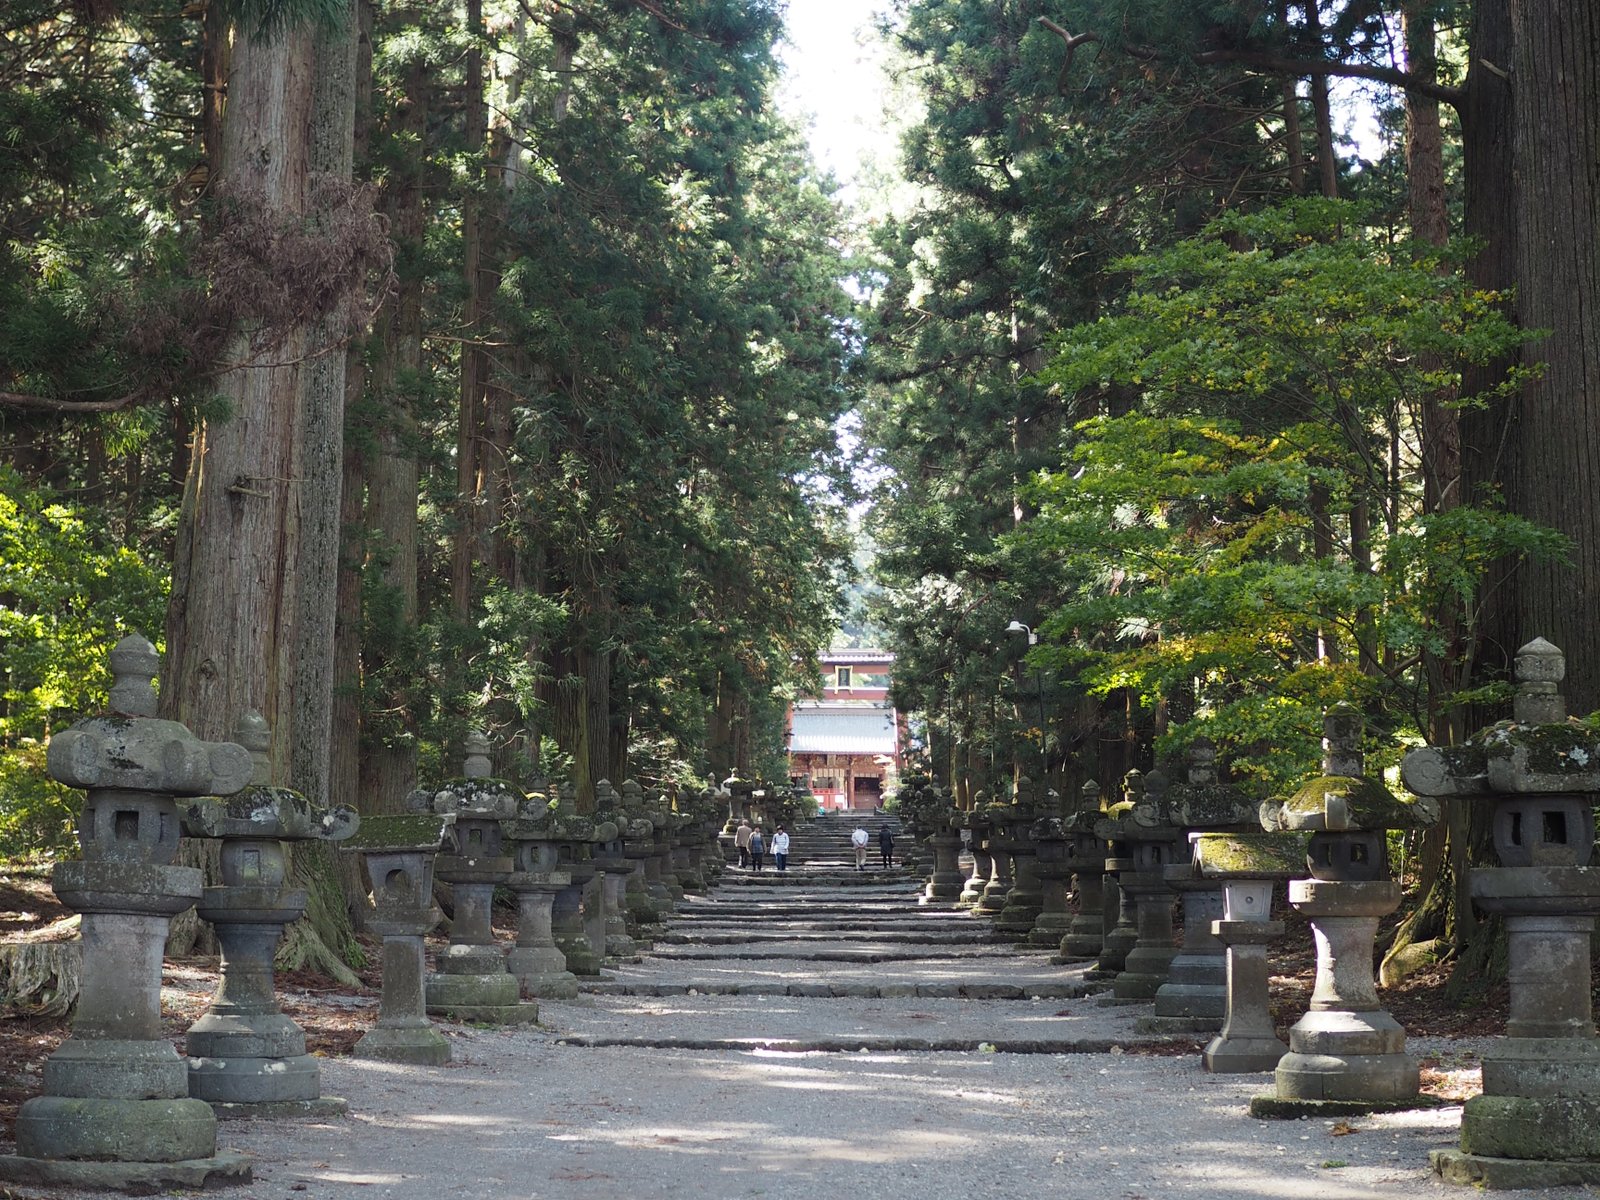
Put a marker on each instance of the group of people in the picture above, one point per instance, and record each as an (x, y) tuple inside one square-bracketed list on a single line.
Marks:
[(860, 839), (752, 846)]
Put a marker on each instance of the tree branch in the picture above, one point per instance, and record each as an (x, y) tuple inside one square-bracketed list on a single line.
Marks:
[(1273, 64), (1073, 41), (45, 404), (1277, 65)]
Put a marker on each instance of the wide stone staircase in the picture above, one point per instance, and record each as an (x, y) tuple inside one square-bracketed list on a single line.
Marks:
[(826, 937)]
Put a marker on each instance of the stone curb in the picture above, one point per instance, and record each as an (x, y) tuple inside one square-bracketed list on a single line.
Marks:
[(225, 1167), (1508, 1174), (1272, 1108)]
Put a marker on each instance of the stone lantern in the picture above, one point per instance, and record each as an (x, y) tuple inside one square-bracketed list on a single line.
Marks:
[(471, 982), (611, 858), (1346, 1050), (709, 859), (1120, 928), (1195, 996), (573, 915), (689, 855), (976, 822), (1001, 840), (1052, 843), (643, 908), (1141, 828), (740, 793), (944, 840), (683, 832), (399, 851), (536, 879), (1249, 867), (1086, 858), (1537, 1123), (1025, 900), (116, 1110), (245, 1056)]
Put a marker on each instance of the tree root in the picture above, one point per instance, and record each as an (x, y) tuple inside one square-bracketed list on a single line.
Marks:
[(40, 978)]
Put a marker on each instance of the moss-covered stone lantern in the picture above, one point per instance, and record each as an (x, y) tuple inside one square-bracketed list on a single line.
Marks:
[(400, 850), (1086, 857), (1537, 1123), (246, 1057), (1346, 1053), (1144, 842), (1195, 995), (471, 981), (116, 1110)]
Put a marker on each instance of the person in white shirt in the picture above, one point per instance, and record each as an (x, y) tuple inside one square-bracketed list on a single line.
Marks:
[(780, 847), (859, 840)]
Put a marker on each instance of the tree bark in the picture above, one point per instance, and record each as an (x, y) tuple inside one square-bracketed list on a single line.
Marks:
[(474, 363), (389, 761), (1555, 81)]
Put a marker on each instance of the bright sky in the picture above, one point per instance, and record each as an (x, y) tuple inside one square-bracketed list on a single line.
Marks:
[(834, 78)]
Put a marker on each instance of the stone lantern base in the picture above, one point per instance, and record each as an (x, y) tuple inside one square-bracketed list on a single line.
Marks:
[(139, 1178), (1507, 1174), (1547, 1136), (472, 984)]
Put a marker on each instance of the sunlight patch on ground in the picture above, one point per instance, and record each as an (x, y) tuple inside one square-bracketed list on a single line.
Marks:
[(453, 1119)]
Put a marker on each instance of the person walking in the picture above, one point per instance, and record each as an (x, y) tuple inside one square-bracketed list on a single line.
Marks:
[(780, 848), (758, 848), (859, 840), (741, 839), (886, 845)]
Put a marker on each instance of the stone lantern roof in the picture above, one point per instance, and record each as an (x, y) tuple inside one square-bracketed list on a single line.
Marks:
[(1344, 799), (1540, 750)]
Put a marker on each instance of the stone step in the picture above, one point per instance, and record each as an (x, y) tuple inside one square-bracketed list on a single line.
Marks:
[(898, 936), (970, 990), (808, 928), (873, 1045), (851, 954)]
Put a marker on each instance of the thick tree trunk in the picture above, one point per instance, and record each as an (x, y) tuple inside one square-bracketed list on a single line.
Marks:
[(250, 623), (1555, 79), (471, 520), (389, 760), (1491, 435), (231, 639), (231, 635), (322, 401)]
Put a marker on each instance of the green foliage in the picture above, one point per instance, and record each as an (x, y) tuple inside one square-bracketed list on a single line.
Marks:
[(1266, 359), (67, 594)]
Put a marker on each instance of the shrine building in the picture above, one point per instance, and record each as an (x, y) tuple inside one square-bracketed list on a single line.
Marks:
[(846, 746)]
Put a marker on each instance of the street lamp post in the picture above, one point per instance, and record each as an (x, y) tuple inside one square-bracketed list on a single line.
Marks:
[(1038, 677)]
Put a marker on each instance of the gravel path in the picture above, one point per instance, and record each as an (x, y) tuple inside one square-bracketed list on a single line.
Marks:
[(555, 1112)]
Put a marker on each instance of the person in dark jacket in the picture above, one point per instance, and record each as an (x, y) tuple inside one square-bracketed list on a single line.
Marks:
[(886, 845), (758, 848)]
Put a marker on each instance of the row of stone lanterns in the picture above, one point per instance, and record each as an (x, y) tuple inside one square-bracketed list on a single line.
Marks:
[(1535, 1123), (122, 1109)]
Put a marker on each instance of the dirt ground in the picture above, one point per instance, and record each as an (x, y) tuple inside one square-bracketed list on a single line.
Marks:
[(334, 1017)]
